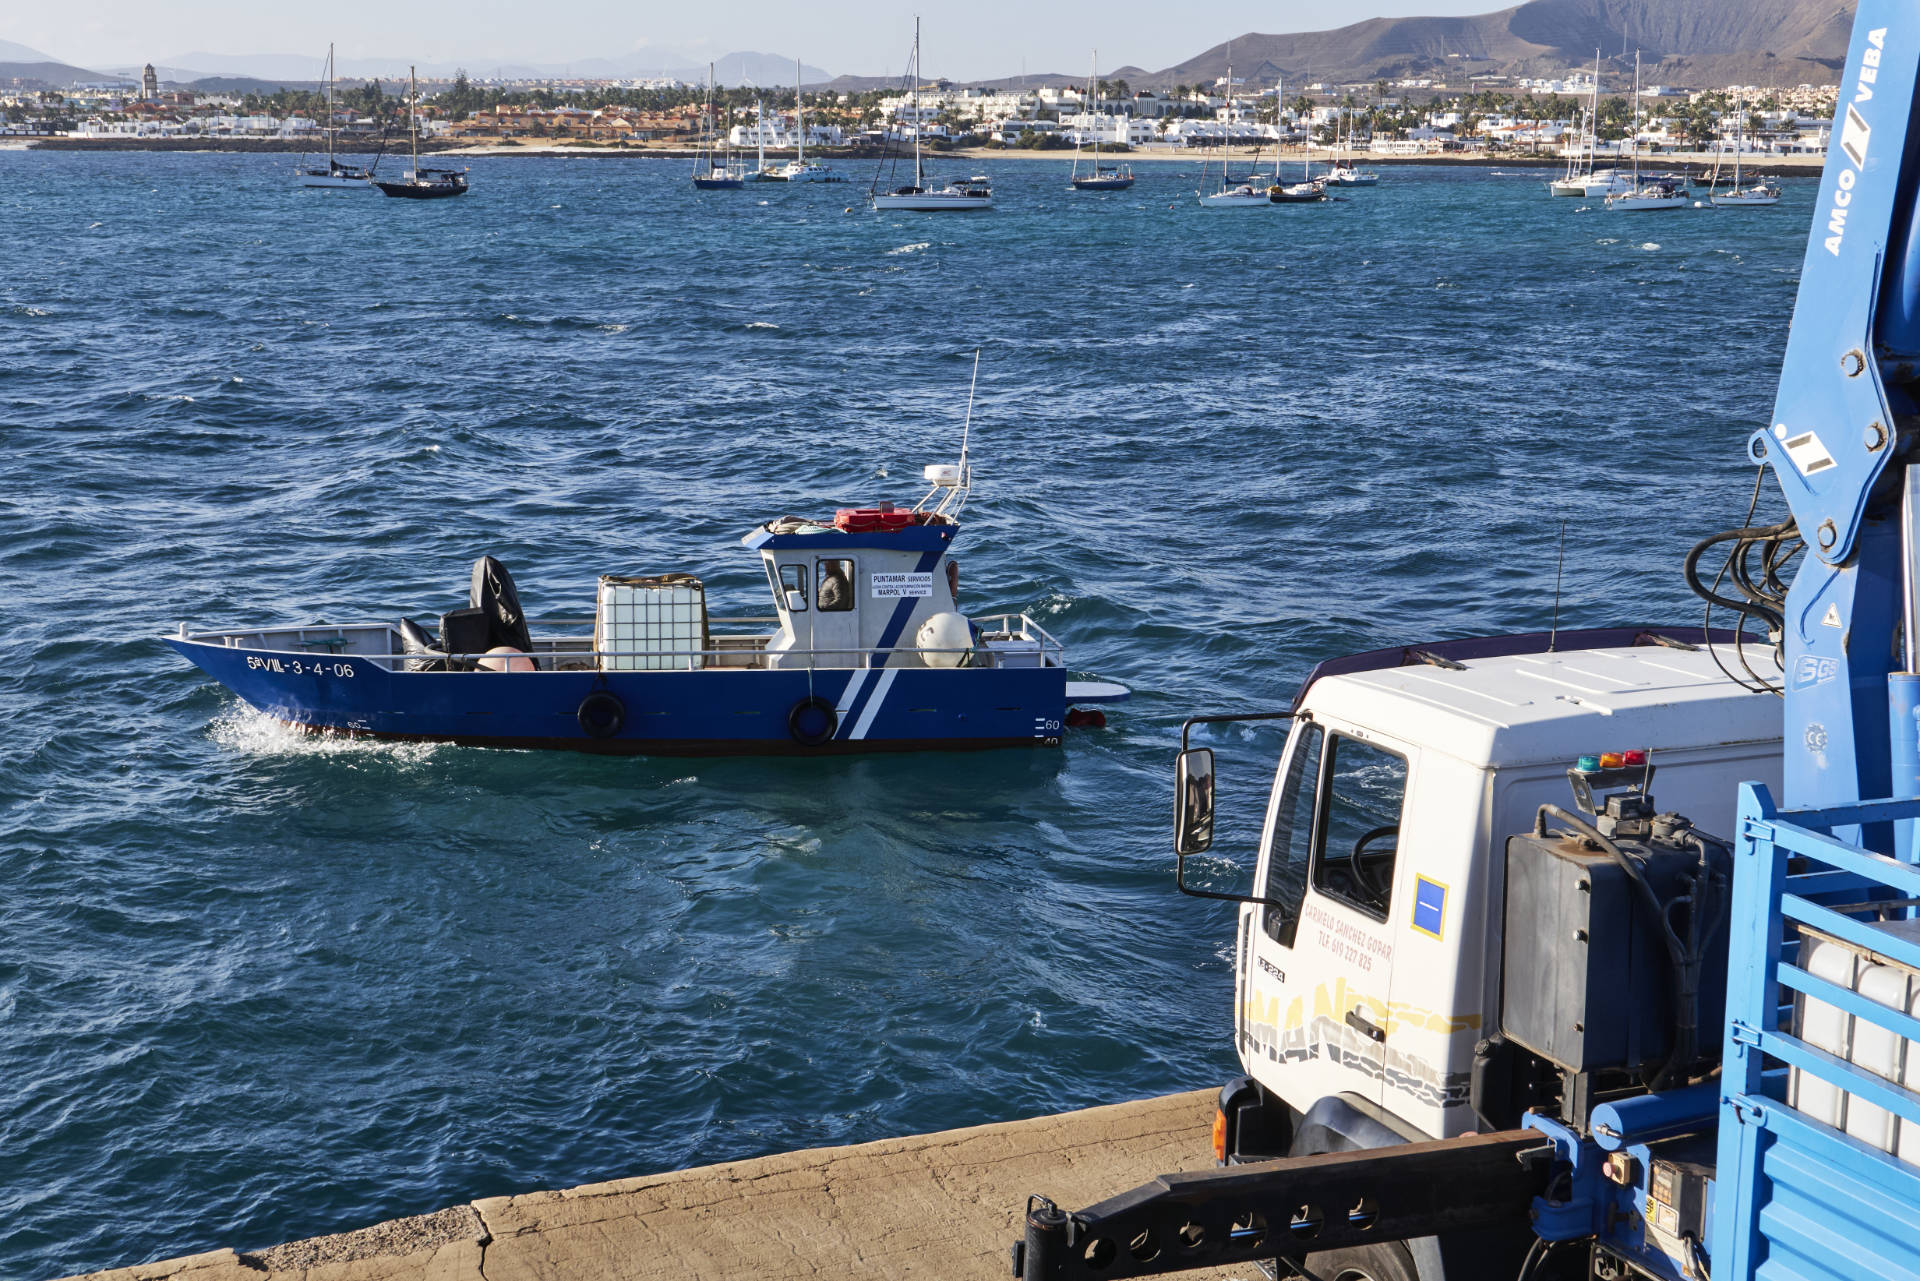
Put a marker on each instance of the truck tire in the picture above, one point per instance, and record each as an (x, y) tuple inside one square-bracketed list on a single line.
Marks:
[(1387, 1261)]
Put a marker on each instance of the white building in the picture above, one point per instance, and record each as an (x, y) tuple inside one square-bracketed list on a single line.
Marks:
[(1086, 128)]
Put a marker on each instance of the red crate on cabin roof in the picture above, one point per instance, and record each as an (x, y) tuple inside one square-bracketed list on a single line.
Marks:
[(863, 520)]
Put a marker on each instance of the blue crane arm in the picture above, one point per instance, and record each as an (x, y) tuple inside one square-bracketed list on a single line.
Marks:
[(1842, 430)]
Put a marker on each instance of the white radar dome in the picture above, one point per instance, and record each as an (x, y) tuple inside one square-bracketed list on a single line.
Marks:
[(943, 474), (944, 639)]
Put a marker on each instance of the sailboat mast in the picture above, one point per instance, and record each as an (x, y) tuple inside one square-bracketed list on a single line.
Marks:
[(1738, 138), (1593, 135), (916, 105), (1279, 105), (1636, 118), (799, 114), (329, 110), (413, 127), (1093, 72)]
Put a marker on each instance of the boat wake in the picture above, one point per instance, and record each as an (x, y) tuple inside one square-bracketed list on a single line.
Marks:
[(248, 732), (910, 249)]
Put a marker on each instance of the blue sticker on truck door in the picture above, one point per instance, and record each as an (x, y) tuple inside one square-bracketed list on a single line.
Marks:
[(1429, 906)]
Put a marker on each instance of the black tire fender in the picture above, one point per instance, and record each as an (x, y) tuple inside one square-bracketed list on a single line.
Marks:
[(813, 721), (601, 714)]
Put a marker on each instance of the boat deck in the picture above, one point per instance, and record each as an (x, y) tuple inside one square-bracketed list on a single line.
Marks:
[(943, 1206)]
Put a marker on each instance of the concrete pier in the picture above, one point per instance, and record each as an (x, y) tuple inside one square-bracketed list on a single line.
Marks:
[(940, 1206)]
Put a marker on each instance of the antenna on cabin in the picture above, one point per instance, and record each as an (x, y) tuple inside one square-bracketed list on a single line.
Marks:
[(966, 428), (1553, 637), (953, 483)]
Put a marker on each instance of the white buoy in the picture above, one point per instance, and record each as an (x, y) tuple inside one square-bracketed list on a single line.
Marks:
[(944, 640), (505, 658)]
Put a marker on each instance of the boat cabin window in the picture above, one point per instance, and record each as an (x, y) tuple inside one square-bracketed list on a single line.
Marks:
[(836, 586), (1363, 789), (792, 588), (1292, 836)]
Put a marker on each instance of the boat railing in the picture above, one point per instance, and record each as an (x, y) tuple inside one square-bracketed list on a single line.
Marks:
[(995, 641)]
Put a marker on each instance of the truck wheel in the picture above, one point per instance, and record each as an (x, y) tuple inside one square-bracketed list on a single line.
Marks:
[(1388, 1261)]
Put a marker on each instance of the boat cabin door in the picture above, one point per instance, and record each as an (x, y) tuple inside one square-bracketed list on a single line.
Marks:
[(830, 627)]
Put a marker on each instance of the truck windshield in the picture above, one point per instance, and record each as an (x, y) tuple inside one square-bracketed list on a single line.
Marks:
[(1292, 835)]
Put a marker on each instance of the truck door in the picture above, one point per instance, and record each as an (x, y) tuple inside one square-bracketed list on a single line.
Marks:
[(1317, 965)]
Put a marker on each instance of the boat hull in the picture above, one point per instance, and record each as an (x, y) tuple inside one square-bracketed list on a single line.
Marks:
[(324, 182), (714, 712), (932, 204), (1305, 193), (1102, 184), (719, 184), (422, 190), (1642, 204)]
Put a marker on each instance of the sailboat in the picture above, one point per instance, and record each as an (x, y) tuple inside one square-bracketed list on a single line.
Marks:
[(336, 176), (1661, 191), (1243, 194), (418, 183), (708, 176), (974, 193), (1110, 178), (1582, 180), (1761, 192), (1309, 190), (1345, 173), (799, 169), (762, 171)]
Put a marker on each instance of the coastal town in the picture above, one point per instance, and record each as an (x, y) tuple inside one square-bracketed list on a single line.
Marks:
[(1406, 118)]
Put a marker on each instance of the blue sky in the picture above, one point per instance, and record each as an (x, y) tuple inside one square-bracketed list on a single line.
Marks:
[(861, 37)]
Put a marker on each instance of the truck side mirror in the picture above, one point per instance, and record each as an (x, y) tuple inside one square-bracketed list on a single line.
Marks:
[(1193, 802)]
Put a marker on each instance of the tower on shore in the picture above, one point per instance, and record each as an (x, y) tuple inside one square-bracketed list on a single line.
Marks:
[(149, 84)]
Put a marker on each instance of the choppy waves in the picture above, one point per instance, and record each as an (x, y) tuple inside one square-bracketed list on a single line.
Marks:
[(257, 985)]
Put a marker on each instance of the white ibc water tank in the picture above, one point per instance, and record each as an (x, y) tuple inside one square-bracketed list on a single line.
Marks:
[(944, 640)]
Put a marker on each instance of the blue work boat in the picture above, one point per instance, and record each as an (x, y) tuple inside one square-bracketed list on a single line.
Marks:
[(867, 652)]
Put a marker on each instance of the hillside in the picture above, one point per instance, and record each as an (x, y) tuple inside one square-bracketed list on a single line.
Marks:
[(49, 75), (1687, 41)]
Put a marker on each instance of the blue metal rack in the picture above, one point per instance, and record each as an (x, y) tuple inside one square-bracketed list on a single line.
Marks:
[(1796, 1197)]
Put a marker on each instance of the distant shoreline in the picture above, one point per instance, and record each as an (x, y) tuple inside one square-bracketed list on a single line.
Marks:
[(1796, 164)]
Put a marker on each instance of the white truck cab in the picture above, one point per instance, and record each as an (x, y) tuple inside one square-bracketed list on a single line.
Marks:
[(1367, 968)]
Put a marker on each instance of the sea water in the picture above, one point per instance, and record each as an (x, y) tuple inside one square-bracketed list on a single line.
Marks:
[(255, 986)]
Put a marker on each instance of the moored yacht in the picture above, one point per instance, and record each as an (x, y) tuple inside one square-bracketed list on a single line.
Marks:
[(800, 169), (923, 196), (1580, 179), (1760, 194), (1099, 178), (1657, 191), (1345, 171), (1234, 193), (335, 176), (418, 183), (709, 173)]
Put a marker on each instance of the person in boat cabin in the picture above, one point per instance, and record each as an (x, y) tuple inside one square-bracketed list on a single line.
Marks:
[(836, 593), (953, 581)]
